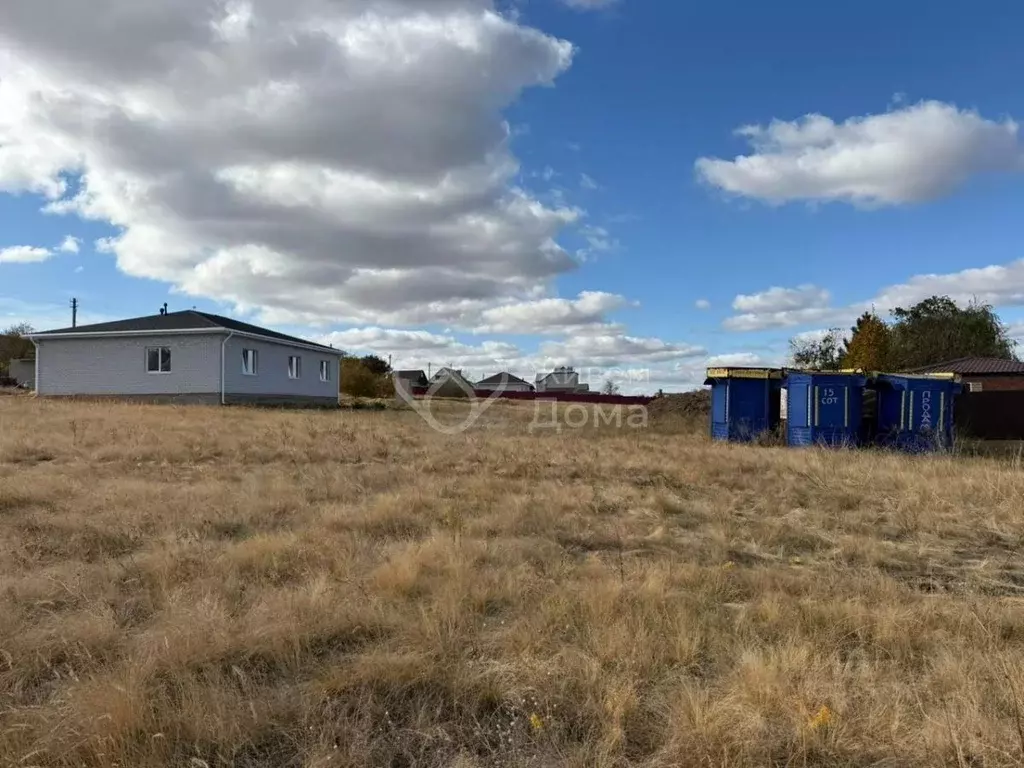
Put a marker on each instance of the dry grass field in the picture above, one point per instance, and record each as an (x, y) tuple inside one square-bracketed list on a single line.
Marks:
[(205, 587)]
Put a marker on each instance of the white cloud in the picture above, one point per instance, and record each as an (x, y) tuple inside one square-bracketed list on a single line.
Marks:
[(585, 313), (998, 285), (210, 136), (614, 350), (587, 182), (743, 360), (589, 5), (416, 349), (646, 363), (598, 239), (780, 307), (70, 245), (702, 304), (79, 269), (24, 254), (778, 299), (1016, 332), (916, 153)]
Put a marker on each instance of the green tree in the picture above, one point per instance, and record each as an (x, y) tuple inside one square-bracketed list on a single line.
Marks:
[(358, 380), (938, 329), (15, 345), (821, 354), (868, 345), (378, 366)]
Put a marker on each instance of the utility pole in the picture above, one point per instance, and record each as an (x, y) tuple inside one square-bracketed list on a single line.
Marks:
[(74, 313)]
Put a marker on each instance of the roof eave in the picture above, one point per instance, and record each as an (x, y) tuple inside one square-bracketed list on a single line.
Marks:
[(217, 331)]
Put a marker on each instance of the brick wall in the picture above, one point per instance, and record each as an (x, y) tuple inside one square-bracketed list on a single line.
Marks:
[(996, 383)]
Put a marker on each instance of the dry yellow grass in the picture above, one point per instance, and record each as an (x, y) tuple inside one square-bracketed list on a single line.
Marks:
[(227, 587)]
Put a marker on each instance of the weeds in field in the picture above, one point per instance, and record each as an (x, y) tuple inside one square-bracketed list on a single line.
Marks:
[(234, 587)]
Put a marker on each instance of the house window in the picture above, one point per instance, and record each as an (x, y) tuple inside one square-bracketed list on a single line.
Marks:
[(158, 360), (250, 362), (974, 386), (294, 367), (325, 370)]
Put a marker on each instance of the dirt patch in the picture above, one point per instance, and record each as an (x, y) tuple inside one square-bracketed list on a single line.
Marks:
[(691, 408)]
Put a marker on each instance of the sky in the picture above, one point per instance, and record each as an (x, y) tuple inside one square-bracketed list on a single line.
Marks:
[(637, 188)]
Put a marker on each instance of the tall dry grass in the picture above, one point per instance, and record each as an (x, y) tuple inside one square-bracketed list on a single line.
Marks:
[(232, 587)]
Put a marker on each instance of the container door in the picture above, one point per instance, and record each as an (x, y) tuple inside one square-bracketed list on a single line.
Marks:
[(927, 410), (798, 405), (748, 407), (718, 402), (831, 403)]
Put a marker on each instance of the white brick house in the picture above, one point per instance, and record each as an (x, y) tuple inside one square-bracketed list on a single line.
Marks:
[(183, 357)]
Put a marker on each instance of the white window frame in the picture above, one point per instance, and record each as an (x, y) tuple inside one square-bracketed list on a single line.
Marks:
[(161, 359), (325, 370), (250, 362), (294, 366), (975, 386)]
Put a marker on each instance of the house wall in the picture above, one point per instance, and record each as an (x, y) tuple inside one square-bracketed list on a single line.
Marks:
[(23, 372), (116, 365), (996, 383), (271, 379), (512, 386)]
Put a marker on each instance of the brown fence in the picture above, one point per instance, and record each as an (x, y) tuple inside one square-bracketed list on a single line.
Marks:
[(562, 397), (995, 415)]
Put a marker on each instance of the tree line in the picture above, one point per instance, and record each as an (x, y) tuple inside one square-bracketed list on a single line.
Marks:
[(932, 331)]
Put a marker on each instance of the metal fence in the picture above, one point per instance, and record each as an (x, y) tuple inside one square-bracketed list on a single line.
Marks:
[(993, 415)]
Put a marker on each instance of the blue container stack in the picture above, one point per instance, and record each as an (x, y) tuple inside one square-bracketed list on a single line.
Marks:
[(744, 402), (824, 408), (915, 413)]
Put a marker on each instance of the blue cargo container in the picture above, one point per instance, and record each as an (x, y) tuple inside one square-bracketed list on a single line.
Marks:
[(824, 408), (915, 413), (744, 402)]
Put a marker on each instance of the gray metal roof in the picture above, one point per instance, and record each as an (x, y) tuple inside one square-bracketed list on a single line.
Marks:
[(186, 320)]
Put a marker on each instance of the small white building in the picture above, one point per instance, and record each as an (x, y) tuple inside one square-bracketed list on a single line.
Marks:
[(504, 382), (185, 357)]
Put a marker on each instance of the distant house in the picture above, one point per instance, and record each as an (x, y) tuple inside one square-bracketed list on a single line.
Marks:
[(563, 379), (449, 382), (185, 357), (981, 374), (505, 382), (408, 381)]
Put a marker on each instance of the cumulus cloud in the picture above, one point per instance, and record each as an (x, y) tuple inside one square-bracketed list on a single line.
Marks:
[(916, 153), (645, 363), (743, 359), (614, 350), (589, 5), (319, 161), (24, 254), (998, 285), (414, 349), (702, 304), (69, 245), (585, 313), (780, 307), (778, 299)]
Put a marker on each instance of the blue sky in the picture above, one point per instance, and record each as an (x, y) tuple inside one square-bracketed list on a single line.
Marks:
[(631, 185)]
